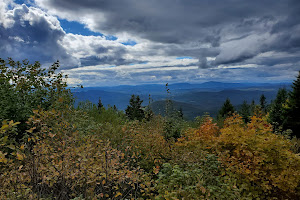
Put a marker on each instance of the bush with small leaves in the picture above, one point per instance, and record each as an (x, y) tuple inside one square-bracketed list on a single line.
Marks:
[(25, 87), (202, 180), (147, 141), (262, 161), (14, 179)]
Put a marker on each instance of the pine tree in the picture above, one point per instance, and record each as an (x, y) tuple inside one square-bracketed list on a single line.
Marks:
[(169, 104), (277, 111), (252, 107), (293, 109), (245, 111), (227, 109), (263, 102), (100, 105), (115, 108), (134, 111), (148, 111)]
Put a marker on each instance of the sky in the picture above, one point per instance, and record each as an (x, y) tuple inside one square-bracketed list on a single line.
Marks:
[(132, 42)]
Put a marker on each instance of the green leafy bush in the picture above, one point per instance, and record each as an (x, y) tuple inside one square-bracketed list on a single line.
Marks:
[(203, 180), (25, 87)]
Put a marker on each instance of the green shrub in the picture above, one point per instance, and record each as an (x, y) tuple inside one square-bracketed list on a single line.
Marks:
[(199, 181)]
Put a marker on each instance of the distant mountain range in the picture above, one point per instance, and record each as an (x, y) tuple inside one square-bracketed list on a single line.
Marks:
[(194, 99)]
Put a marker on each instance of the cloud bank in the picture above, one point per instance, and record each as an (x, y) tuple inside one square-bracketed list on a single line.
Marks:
[(158, 41)]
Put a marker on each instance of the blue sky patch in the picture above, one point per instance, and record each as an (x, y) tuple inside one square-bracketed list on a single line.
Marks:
[(111, 37), (27, 3), (20, 1), (184, 57), (130, 43), (77, 28)]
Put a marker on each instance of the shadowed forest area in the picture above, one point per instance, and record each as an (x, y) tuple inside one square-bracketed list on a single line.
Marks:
[(50, 149)]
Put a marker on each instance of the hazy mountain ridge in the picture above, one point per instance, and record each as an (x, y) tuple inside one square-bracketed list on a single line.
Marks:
[(194, 99)]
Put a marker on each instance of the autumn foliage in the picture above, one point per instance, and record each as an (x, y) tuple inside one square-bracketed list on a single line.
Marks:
[(98, 153), (260, 159), (254, 160)]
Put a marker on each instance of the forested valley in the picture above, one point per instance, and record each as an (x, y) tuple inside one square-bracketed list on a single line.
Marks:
[(51, 149)]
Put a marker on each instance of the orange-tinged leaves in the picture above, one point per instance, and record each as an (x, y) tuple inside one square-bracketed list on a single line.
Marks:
[(203, 190), (118, 194), (255, 152), (19, 156), (22, 147), (156, 170), (51, 135)]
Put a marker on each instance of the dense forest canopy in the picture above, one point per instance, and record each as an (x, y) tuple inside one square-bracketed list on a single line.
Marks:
[(50, 149)]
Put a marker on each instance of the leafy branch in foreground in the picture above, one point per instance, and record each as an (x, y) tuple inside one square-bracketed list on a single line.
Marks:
[(25, 87)]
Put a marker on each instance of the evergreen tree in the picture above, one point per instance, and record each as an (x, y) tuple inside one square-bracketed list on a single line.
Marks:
[(148, 111), (115, 108), (134, 111), (277, 112), (245, 111), (252, 107), (293, 109), (227, 109), (263, 103), (169, 104), (100, 105)]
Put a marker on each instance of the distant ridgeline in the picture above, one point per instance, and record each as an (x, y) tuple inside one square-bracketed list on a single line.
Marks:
[(193, 99)]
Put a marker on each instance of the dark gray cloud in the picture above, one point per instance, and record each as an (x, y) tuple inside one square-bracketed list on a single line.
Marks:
[(214, 24), (112, 60), (169, 21)]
